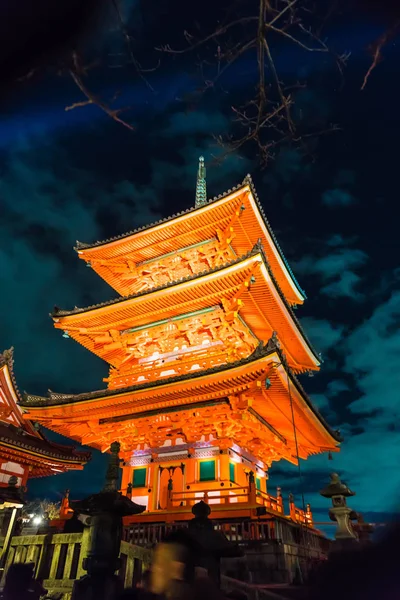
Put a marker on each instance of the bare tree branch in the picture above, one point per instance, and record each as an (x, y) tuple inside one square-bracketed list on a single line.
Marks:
[(127, 37), (377, 50), (92, 98), (266, 119)]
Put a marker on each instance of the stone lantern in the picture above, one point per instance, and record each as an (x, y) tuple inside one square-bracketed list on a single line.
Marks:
[(340, 512), (104, 513)]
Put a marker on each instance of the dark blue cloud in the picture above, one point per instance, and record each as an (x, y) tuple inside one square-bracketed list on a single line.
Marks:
[(336, 271), (337, 198)]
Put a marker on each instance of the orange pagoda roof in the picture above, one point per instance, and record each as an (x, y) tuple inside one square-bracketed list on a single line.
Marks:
[(20, 441), (245, 286), (235, 218), (262, 385)]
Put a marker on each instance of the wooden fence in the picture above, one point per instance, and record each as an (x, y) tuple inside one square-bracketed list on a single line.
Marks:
[(58, 559)]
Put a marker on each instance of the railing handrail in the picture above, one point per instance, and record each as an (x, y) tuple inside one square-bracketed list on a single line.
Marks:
[(212, 490), (42, 538)]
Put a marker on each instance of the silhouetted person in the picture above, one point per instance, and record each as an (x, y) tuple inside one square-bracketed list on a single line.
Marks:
[(173, 572), (19, 583), (73, 525)]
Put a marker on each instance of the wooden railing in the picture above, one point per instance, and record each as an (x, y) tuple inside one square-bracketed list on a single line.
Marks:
[(149, 534), (252, 592), (240, 532), (271, 503), (240, 497), (58, 559), (231, 495)]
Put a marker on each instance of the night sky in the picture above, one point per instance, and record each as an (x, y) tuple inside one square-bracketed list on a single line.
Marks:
[(78, 175)]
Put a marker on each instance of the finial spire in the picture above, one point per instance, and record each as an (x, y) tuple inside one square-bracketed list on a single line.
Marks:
[(201, 186)]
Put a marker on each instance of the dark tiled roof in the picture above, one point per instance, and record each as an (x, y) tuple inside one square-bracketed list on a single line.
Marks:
[(247, 181), (258, 249), (262, 350), (20, 439)]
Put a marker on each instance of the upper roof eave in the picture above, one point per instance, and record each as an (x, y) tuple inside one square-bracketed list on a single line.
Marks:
[(85, 246), (248, 181)]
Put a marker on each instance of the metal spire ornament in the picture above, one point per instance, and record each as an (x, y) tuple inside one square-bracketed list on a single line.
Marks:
[(201, 186)]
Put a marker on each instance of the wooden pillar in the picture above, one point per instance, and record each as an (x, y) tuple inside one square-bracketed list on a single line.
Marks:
[(292, 508), (224, 465), (152, 482), (191, 468), (252, 489)]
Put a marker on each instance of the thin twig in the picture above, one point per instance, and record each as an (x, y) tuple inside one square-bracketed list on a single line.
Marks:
[(127, 37)]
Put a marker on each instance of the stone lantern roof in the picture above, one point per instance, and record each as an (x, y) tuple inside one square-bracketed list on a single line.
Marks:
[(336, 488)]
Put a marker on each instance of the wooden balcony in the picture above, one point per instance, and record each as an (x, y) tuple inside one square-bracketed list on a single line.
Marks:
[(228, 502)]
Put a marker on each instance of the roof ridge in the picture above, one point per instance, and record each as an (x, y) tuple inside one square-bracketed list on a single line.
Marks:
[(248, 180), (290, 310)]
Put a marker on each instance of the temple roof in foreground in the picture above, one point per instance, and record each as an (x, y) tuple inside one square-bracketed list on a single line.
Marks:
[(155, 239), (20, 441)]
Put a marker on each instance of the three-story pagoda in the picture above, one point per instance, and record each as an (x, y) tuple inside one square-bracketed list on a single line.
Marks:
[(203, 348)]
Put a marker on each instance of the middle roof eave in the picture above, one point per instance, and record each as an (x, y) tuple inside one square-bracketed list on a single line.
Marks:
[(145, 306)]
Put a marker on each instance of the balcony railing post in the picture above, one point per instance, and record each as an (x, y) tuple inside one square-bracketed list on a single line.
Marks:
[(292, 508), (309, 516), (252, 489), (129, 491), (169, 493)]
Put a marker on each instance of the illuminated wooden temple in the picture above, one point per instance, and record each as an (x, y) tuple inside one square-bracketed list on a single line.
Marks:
[(204, 349), (24, 451)]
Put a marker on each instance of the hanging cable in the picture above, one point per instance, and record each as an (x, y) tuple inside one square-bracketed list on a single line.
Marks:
[(296, 442), (303, 532)]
